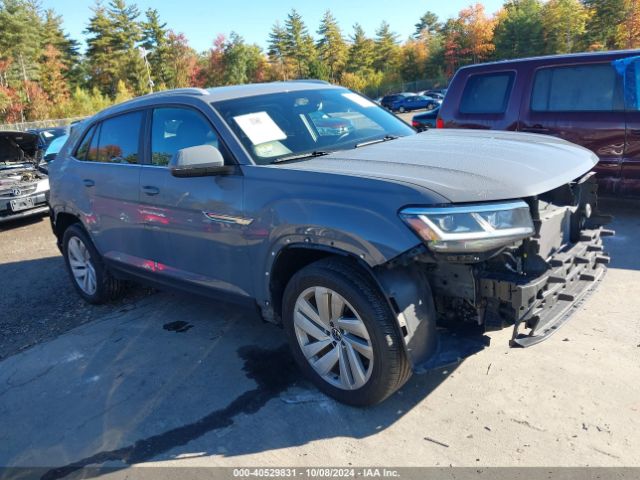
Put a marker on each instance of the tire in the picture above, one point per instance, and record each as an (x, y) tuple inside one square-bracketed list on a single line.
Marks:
[(340, 370), (430, 107), (401, 110), (78, 248)]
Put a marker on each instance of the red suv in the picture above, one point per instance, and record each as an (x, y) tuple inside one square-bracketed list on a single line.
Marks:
[(591, 99)]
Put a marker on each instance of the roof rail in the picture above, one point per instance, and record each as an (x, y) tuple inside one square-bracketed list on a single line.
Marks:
[(182, 91), (309, 80)]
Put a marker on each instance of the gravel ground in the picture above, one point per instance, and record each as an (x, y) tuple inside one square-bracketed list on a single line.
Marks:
[(38, 301)]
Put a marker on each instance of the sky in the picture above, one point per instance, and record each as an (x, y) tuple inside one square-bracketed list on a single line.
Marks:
[(202, 20)]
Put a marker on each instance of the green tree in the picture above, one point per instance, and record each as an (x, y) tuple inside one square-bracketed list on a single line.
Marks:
[(387, 49), (361, 52), (564, 24), (428, 25), (332, 48), (20, 38), (53, 34), (299, 45), (278, 52), (243, 63), (154, 40), (518, 31), (602, 26), (112, 54)]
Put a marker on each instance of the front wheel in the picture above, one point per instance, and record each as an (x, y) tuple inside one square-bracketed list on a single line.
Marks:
[(401, 109), (343, 333)]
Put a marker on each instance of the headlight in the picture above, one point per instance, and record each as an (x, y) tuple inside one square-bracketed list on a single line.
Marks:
[(470, 228)]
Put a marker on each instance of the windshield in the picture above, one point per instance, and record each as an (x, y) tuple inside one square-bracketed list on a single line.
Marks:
[(292, 124)]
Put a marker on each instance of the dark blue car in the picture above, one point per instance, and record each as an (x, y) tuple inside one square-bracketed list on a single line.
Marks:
[(415, 102)]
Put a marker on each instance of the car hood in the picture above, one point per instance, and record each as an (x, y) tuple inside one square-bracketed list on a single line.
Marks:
[(464, 165), (18, 146)]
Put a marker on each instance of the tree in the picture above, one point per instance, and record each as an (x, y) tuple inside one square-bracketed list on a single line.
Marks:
[(428, 25), (102, 65), (20, 38), (564, 24), (299, 44), (52, 78), (477, 32), (332, 48), (387, 49), (602, 28), (361, 52), (518, 31), (183, 69), (243, 63), (154, 40), (414, 60), (628, 32), (278, 53), (112, 53), (69, 49)]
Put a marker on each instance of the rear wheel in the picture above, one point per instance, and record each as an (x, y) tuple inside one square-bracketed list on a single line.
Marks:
[(88, 273), (401, 109), (343, 334)]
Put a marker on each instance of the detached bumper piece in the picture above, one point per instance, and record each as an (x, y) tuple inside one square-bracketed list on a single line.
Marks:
[(540, 306)]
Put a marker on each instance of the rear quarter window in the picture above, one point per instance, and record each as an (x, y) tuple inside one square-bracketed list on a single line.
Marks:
[(577, 88), (487, 93)]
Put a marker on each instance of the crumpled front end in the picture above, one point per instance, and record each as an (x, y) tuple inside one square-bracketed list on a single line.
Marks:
[(533, 284)]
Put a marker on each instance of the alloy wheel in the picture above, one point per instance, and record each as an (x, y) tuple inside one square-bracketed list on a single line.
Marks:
[(333, 338), (81, 265)]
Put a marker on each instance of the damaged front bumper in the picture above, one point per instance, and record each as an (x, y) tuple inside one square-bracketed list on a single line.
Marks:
[(538, 307)]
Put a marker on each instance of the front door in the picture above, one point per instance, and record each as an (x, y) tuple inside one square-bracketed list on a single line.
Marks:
[(583, 104), (194, 225)]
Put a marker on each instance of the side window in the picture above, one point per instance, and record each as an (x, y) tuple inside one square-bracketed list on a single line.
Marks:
[(173, 129), (83, 149), (580, 88), (119, 139), (487, 93)]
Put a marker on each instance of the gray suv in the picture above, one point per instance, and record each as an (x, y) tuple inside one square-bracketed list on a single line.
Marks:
[(336, 219)]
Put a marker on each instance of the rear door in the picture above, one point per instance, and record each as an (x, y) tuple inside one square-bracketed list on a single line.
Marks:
[(631, 161), (109, 170), (584, 104)]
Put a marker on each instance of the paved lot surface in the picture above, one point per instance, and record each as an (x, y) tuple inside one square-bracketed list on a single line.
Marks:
[(170, 379)]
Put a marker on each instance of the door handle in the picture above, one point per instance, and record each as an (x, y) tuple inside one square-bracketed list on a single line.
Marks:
[(537, 128), (151, 190), (88, 182)]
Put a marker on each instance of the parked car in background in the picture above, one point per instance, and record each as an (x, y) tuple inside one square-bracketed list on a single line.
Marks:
[(388, 100), (413, 102), (435, 94), (48, 135), (24, 186), (52, 150), (590, 99), (360, 244), (425, 120)]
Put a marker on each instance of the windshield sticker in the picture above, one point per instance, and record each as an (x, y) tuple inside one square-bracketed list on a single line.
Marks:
[(260, 127), (355, 98)]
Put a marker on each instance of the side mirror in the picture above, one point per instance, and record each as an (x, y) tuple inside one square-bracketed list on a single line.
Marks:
[(198, 161)]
